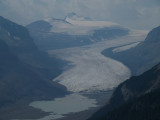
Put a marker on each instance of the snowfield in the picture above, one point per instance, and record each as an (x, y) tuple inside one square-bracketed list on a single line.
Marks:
[(91, 71), (77, 26)]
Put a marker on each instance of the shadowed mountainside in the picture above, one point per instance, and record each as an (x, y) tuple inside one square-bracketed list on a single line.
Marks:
[(25, 73), (137, 98)]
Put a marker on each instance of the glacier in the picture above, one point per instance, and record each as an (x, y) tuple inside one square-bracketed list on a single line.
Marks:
[(89, 70)]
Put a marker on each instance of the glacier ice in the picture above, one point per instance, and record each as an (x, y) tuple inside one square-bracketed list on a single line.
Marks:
[(90, 70)]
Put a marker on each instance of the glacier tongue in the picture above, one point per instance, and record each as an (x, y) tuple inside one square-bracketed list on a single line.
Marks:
[(90, 70)]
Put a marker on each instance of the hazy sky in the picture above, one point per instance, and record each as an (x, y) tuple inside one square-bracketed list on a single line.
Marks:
[(140, 14)]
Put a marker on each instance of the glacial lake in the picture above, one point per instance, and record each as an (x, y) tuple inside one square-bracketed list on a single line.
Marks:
[(69, 104)]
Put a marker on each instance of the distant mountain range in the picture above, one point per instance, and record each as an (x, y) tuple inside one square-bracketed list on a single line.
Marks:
[(25, 73), (72, 31), (138, 97)]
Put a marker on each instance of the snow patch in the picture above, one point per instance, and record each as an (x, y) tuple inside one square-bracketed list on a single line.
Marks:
[(124, 48), (137, 33)]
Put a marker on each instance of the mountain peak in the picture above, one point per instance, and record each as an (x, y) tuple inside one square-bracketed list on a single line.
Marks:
[(154, 35), (74, 16)]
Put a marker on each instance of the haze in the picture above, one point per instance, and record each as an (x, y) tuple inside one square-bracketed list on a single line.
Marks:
[(137, 14)]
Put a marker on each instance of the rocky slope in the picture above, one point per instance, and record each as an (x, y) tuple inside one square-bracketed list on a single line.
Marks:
[(136, 98)]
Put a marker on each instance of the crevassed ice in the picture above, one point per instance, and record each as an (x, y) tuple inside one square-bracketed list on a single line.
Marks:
[(91, 70)]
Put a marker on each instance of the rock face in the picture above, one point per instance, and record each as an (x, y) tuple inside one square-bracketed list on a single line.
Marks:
[(142, 57), (26, 73)]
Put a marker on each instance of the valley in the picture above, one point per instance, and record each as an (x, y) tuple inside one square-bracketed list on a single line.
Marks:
[(88, 74), (79, 60)]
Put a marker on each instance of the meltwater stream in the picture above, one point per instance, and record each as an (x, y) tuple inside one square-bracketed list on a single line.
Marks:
[(90, 71)]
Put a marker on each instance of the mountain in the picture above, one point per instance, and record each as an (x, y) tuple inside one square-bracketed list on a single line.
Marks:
[(25, 73), (135, 99), (72, 31), (141, 57), (145, 107)]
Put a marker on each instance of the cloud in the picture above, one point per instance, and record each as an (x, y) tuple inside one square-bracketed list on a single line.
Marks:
[(125, 12)]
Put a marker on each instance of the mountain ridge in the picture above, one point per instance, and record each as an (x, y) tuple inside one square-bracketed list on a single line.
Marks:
[(26, 73), (133, 99), (145, 52)]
